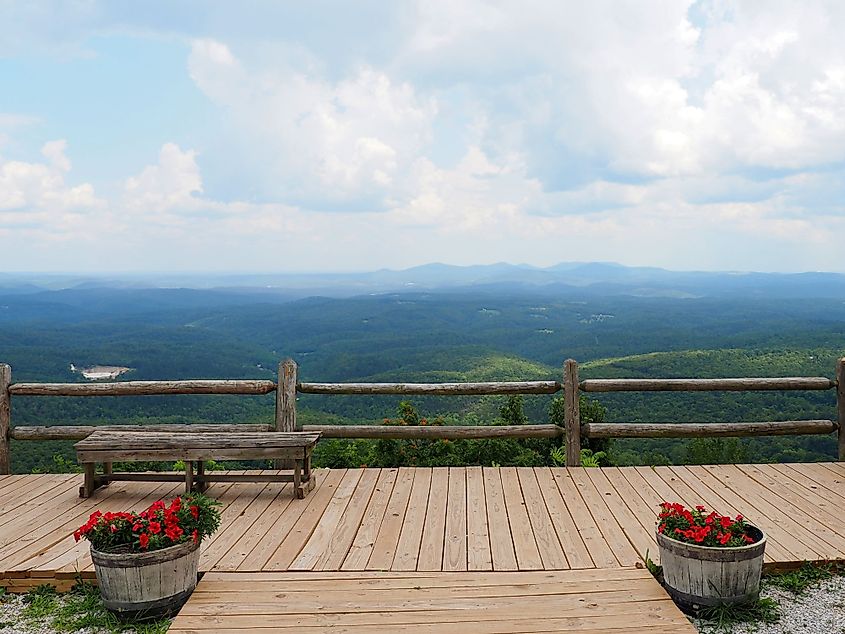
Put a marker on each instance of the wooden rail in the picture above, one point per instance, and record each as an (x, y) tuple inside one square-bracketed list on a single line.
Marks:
[(425, 389), (142, 388), (288, 386), (448, 432), (706, 385), (78, 432), (698, 430)]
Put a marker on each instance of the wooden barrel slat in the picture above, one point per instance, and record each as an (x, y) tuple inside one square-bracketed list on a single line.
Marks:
[(147, 584), (700, 576)]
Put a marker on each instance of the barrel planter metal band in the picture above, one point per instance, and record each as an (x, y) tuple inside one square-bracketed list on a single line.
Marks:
[(704, 576), (147, 585)]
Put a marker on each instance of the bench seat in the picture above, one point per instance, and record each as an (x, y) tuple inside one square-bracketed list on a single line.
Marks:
[(107, 446)]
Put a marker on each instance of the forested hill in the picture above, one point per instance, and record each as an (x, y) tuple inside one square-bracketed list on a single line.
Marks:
[(446, 334)]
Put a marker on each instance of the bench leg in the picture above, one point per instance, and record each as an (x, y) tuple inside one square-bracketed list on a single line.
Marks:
[(89, 484), (201, 485), (107, 470), (297, 479), (189, 476)]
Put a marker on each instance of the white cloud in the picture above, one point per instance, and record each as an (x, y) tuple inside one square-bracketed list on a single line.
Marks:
[(38, 188), (319, 139), (168, 185)]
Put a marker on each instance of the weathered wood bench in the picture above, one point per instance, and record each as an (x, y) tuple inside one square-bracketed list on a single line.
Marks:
[(108, 446)]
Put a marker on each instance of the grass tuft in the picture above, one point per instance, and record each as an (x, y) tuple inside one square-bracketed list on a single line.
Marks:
[(80, 608), (798, 581), (722, 618)]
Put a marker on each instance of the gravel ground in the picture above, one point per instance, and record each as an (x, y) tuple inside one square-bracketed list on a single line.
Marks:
[(13, 621), (820, 610)]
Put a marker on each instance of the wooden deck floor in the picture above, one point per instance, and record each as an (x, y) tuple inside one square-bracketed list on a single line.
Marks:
[(607, 601), (441, 519)]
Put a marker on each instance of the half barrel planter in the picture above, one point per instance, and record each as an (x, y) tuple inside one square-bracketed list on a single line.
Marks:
[(147, 585), (703, 576)]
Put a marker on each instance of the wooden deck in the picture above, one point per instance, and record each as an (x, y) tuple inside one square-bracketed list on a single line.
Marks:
[(441, 519), (607, 601)]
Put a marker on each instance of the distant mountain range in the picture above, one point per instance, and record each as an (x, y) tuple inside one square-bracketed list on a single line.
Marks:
[(566, 278)]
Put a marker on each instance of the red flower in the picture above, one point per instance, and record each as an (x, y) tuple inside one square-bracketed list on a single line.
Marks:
[(195, 536), (155, 528), (173, 532), (699, 508), (723, 538), (144, 540), (195, 511)]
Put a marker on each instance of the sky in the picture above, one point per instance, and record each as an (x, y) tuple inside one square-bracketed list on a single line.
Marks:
[(344, 136)]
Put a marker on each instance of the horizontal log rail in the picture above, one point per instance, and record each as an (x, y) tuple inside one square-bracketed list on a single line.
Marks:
[(288, 386), (700, 430), (78, 432), (143, 388), (707, 385), (438, 432), (422, 389)]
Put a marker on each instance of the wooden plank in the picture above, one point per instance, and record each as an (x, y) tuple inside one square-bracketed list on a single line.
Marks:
[(548, 545), (33, 494), (251, 500), (802, 503), (780, 541), (638, 536), (524, 544), (434, 531), (501, 540), (321, 539), (69, 554), (464, 389), (301, 531), (644, 509), (455, 541), (408, 549), (384, 547), (574, 548), (803, 527), (39, 527), (478, 536), (833, 482), (268, 518), (609, 526), (278, 531), (362, 546), (597, 546), (800, 474), (403, 578), (337, 549)]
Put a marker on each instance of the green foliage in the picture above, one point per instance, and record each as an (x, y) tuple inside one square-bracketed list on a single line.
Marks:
[(655, 570), (722, 618), (431, 336), (40, 602), (798, 581), (79, 609), (590, 459)]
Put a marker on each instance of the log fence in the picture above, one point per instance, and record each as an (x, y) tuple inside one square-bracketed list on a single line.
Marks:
[(573, 431)]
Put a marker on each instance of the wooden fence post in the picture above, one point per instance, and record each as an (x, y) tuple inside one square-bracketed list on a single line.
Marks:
[(5, 419), (840, 405), (286, 403), (572, 413)]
